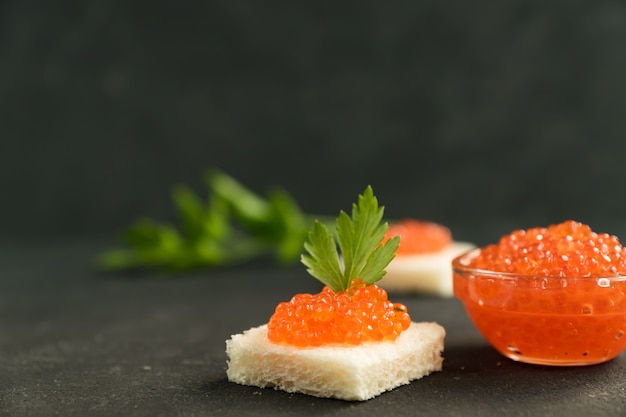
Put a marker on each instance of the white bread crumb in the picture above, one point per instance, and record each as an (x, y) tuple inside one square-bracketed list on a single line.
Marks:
[(426, 273), (355, 373)]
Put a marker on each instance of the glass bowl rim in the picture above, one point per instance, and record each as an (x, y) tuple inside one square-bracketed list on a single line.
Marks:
[(458, 266)]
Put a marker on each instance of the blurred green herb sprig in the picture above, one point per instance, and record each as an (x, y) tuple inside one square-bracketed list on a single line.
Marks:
[(232, 226)]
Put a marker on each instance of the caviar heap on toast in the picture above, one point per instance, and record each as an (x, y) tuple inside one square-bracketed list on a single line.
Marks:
[(422, 262), (349, 341)]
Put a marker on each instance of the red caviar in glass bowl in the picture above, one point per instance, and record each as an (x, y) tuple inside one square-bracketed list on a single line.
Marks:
[(551, 296)]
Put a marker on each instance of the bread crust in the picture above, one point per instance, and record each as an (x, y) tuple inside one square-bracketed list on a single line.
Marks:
[(354, 373)]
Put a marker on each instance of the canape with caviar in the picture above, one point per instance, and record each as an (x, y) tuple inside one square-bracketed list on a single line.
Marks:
[(349, 341), (422, 261)]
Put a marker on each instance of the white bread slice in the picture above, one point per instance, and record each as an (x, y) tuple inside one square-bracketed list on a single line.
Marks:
[(355, 373), (429, 273)]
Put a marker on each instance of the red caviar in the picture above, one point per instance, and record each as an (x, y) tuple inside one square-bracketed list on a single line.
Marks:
[(568, 249), (418, 236), (554, 295), (360, 314)]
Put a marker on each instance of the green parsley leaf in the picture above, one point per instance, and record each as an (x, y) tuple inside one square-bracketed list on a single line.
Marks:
[(230, 226), (359, 240)]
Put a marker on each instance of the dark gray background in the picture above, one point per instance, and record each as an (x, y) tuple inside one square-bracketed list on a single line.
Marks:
[(469, 113), (483, 115)]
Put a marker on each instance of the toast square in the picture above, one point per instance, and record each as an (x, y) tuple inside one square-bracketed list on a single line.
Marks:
[(354, 373)]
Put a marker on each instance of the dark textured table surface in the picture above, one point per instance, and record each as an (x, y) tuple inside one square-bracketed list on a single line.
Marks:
[(77, 342)]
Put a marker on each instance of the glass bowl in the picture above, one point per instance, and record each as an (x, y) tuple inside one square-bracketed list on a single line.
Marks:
[(561, 321)]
